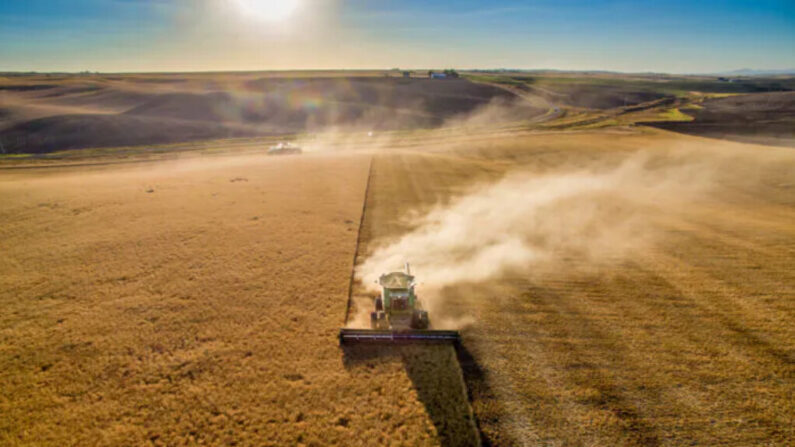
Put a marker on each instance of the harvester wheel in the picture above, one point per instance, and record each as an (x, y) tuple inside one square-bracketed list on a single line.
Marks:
[(419, 320), (379, 304), (382, 323)]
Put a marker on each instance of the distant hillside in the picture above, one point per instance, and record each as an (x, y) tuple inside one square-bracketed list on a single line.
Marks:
[(767, 118), (56, 113), (62, 132), (752, 72)]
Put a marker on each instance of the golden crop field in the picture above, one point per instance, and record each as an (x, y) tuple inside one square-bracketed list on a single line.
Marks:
[(197, 300), (189, 302)]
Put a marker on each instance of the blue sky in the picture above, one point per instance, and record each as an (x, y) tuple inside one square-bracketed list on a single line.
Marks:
[(175, 35)]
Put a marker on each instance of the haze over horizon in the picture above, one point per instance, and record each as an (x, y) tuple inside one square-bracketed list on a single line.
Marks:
[(249, 35)]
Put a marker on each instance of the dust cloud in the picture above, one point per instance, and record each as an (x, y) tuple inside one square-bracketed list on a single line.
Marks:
[(528, 221), (498, 111), (369, 133)]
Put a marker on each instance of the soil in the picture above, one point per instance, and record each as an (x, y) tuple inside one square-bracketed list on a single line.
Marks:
[(764, 118)]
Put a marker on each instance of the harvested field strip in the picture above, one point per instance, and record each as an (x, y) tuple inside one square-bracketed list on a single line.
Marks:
[(685, 343), (433, 369)]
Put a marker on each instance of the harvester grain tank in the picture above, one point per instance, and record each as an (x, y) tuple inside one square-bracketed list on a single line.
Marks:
[(398, 316)]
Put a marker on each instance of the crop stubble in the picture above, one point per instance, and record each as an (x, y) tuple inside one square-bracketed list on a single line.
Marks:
[(686, 341)]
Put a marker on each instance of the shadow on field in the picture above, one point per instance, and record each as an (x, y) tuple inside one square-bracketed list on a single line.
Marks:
[(437, 379), (476, 384)]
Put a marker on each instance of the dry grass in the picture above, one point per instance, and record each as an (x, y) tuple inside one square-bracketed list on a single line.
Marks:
[(675, 114), (193, 302)]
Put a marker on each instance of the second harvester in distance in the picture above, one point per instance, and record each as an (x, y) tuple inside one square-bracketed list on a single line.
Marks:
[(398, 316)]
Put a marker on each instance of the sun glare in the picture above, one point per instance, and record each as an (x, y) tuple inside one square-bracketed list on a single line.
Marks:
[(269, 10)]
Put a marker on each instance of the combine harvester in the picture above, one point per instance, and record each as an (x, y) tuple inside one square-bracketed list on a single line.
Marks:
[(398, 316)]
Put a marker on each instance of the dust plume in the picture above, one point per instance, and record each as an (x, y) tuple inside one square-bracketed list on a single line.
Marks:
[(498, 111), (338, 139), (527, 222)]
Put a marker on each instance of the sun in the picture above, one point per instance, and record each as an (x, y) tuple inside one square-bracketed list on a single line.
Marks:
[(269, 10)]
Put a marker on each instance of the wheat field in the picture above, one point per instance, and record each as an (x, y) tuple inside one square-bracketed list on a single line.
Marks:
[(189, 302), (197, 300)]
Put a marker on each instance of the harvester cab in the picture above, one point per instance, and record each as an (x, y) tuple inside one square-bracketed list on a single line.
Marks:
[(398, 315)]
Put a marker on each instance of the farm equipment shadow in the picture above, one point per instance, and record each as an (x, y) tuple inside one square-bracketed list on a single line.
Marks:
[(436, 375)]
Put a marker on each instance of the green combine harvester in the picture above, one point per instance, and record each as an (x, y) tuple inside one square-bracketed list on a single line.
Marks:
[(398, 316)]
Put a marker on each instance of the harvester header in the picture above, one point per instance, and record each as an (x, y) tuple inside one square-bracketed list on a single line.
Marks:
[(398, 316)]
